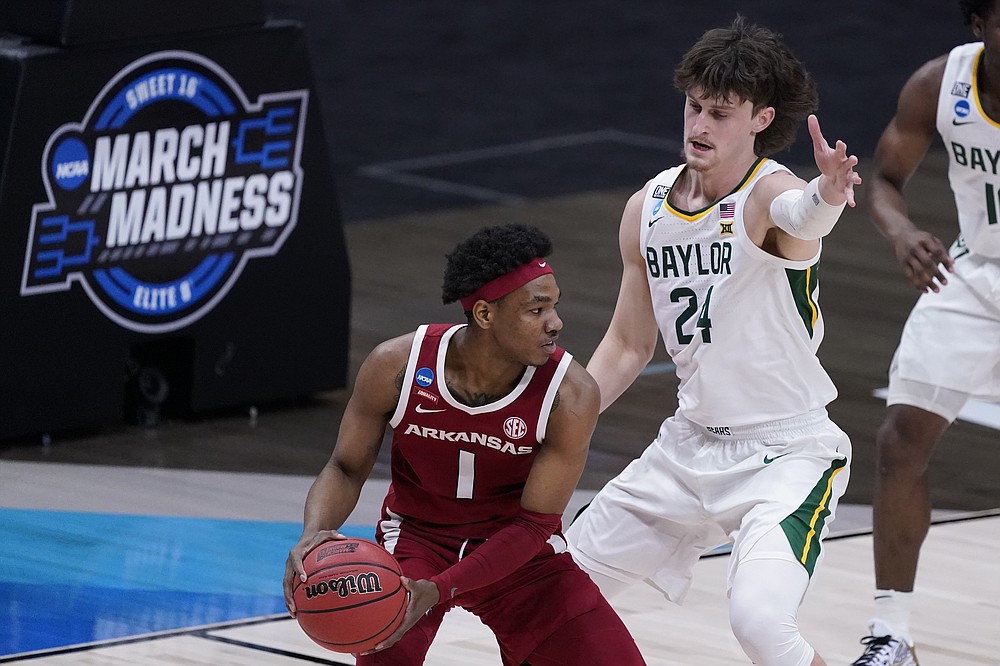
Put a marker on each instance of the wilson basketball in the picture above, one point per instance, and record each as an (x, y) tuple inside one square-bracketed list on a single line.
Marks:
[(352, 598)]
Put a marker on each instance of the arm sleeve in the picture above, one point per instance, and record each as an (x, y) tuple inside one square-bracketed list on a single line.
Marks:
[(501, 554), (804, 213)]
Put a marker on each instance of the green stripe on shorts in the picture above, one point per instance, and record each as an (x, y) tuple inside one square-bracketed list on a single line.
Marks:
[(804, 525)]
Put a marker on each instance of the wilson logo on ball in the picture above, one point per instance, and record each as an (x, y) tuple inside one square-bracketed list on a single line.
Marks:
[(366, 583)]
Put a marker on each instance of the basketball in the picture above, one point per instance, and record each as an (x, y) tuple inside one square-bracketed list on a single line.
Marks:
[(352, 598)]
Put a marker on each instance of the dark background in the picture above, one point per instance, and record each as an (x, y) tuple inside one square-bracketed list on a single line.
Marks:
[(407, 89), (400, 80)]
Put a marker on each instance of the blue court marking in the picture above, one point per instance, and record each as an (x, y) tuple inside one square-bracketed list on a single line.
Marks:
[(68, 578)]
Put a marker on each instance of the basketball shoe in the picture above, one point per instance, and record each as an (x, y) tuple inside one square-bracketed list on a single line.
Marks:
[(886, 651)]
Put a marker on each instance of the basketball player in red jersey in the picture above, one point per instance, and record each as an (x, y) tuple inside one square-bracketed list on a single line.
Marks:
[(491, 424)]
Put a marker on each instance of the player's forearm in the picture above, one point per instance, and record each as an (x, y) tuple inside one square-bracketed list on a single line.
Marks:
[(503, 553), (331, 499), (887, 208), (615, 366), (807, 214)]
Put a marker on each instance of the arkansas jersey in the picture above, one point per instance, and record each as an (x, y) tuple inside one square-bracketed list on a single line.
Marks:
[(459, 470)]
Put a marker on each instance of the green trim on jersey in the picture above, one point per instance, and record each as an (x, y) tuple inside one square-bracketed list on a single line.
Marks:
[(804, 284), (691, 216), (804, 525)]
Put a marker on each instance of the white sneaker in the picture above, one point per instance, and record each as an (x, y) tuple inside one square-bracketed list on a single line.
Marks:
[(886, 651)]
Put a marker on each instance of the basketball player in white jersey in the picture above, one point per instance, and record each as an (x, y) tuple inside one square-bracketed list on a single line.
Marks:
[(721, 258), (950, 346)]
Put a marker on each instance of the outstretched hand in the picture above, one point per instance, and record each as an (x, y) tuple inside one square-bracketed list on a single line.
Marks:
[(836, 166)]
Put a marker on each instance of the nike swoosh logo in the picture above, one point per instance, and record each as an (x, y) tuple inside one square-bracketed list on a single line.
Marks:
[(656, 219), (768, 459), (423, 410), (956, 123)]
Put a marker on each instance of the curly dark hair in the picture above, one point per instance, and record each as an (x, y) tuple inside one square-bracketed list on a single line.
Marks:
[(981, 8), (752, 63), (488, 254)]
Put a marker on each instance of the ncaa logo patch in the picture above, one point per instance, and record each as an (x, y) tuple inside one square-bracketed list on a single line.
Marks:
[(159, 197), (962, 108), (424, 377)]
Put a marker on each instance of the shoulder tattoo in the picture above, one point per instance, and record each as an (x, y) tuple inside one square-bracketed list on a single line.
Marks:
[(398, 382)]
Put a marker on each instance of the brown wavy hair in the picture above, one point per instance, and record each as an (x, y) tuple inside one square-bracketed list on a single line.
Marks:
[(752, 63)]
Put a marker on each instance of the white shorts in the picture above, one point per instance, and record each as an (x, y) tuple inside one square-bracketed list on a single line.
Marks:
[(949, 350), (693, 490)]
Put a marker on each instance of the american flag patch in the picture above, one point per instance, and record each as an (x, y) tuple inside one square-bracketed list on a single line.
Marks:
[(727, 210)]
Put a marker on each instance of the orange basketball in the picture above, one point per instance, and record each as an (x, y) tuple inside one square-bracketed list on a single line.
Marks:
[(352, 598)]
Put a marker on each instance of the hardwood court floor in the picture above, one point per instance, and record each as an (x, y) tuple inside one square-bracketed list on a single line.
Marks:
[(955, 623)]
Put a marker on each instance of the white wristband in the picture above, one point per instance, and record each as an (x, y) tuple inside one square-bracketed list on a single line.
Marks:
[(803, 213)]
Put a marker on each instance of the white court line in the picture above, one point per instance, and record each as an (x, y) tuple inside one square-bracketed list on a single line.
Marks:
[(392, 171), (180, 492), (443, 186), (975, 411), (524, 147)]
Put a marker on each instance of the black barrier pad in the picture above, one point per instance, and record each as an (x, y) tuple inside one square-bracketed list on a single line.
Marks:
[(73, 22), (234, 312)]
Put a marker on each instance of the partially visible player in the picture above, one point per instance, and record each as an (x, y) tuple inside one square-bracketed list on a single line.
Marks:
[(950, 347), (491, 425), (721, 258)]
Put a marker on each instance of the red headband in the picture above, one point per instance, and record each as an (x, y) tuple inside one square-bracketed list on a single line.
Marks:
[(507, 283)]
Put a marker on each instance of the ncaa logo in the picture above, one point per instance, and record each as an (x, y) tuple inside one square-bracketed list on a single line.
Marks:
[(962, 108), (424, 377), (515, 427), (170, 184)]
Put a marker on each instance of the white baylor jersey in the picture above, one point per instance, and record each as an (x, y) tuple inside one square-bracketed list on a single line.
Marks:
[(973, 143), (741, 325)]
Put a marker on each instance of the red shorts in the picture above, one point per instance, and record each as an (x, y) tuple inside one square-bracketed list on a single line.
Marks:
[(524, 610)]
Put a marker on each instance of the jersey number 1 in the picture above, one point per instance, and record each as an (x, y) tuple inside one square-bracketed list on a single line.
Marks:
[(466, 474), (991, 203)]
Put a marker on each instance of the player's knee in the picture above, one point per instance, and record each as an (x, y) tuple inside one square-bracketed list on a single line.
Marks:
[(768, 634), (901, 449)]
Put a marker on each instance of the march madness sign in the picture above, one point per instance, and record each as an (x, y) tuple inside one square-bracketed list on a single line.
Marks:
[(159, 197)]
